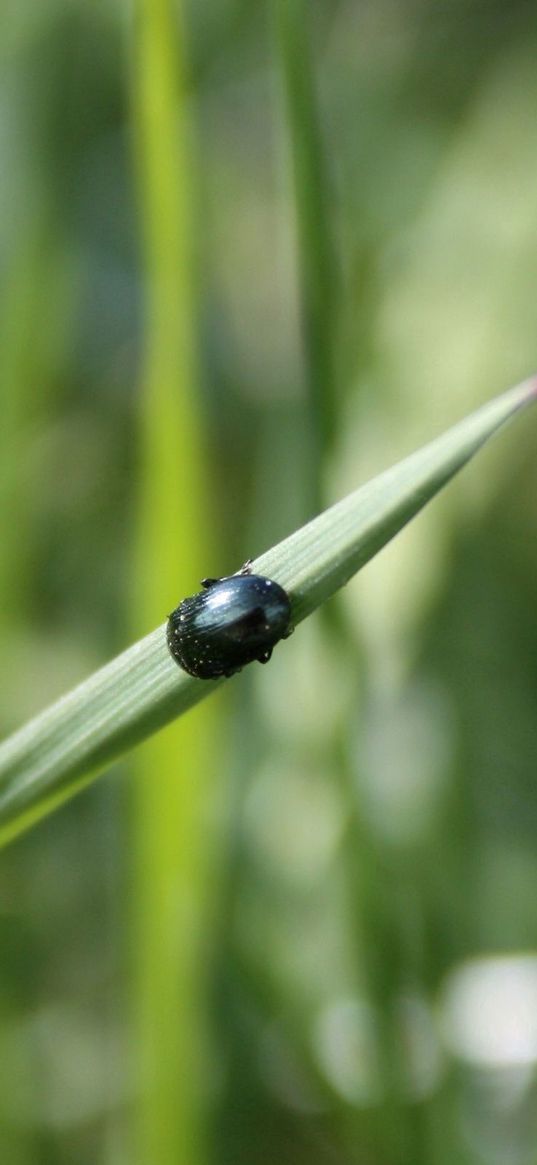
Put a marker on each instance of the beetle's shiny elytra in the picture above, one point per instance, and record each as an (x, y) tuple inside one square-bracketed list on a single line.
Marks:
[(230, 623)]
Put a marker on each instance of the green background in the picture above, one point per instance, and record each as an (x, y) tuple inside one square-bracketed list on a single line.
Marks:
[(251, 254)]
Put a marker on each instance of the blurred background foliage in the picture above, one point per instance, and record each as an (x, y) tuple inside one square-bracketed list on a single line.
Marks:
[(347, 868)]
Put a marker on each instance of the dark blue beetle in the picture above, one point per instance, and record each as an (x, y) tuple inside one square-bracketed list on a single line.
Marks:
[(233, 621)]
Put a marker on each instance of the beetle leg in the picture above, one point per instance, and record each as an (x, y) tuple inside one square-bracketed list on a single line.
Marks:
[(264, 656), (247, 567)]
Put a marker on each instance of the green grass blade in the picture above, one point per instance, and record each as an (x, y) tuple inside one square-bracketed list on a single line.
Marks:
[(171, 771), (142, 689), (315, 253), (323, 555)]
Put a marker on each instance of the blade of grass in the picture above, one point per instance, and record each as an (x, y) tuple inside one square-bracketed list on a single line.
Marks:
[(315, 256), (169, 792), (142, 689)]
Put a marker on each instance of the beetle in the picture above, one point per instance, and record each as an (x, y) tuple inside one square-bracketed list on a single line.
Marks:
[(231, 622)]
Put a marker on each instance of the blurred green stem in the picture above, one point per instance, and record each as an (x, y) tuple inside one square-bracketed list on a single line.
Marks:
[(169, 884), (315, 257)]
